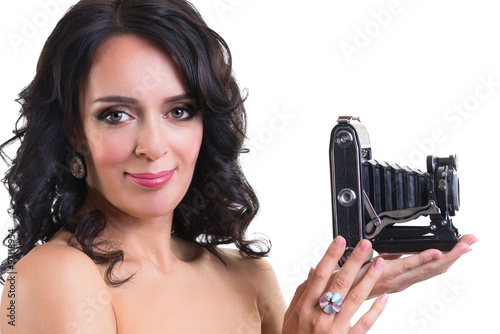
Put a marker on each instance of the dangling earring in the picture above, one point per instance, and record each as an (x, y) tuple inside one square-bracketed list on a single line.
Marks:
[(77, 166)]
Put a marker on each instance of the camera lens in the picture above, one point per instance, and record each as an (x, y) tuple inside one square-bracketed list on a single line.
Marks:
[(447, 184), (454, 194)]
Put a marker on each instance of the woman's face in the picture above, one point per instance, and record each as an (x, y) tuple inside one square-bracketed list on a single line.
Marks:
[(140, 130)]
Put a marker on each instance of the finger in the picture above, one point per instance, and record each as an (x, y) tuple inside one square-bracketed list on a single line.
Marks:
[(321, 275), (360, 292), (368, 319), (405, 267), (298, 293), (390, 256), (346, 275), (469, 239), (420, 267), (442, 264)]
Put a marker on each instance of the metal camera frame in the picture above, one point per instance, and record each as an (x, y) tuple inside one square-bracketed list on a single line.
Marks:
[(354, 216)]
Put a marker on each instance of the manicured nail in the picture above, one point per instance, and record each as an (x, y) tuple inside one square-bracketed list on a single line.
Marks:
[(364, 245), (383, 298), (338, 241), (378, 264), (437, 256)]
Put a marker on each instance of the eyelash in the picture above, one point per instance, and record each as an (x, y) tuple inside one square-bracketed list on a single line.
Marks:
[(111, 111)]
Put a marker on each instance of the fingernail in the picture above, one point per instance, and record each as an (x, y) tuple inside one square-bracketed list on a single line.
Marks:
[(437, 256), (364, 245), (338, 241), (378, 264), (383, 298)]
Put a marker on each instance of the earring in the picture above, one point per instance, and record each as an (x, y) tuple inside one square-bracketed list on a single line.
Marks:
[(77, 166)]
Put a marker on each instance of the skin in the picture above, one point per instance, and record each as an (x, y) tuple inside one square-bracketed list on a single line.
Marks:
[(136, 116), (303, 316), (356, 282), (402, 272)]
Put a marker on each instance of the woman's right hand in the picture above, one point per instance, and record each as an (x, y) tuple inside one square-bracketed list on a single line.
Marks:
[(304, 314)]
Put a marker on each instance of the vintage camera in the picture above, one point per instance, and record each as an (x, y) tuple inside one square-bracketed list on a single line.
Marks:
[(376, 200)]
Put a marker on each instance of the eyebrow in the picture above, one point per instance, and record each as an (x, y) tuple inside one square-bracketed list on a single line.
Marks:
[(131, 100)]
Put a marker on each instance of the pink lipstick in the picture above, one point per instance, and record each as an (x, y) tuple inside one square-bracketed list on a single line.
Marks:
[(149, 180)]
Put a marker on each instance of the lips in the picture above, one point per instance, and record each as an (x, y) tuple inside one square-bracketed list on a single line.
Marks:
[(149, 180)]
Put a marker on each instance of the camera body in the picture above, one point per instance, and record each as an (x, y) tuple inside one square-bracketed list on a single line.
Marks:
[(376, 200)]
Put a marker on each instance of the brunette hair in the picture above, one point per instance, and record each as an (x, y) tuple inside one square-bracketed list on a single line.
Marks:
[(45, 197)]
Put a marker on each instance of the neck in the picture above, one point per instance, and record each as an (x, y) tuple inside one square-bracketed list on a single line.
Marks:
[(142, 239)]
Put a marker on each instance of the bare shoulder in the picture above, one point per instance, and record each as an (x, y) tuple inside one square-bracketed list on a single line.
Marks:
[(258, 271), (57, 288), (259, 274), (251, 266)]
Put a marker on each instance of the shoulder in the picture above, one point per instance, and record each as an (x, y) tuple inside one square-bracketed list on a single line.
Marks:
[(259, 274), (256, 270), (252, 271), (57, 288), (58, 256)]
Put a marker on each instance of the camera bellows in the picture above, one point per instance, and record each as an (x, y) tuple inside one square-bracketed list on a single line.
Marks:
[(391, 187)]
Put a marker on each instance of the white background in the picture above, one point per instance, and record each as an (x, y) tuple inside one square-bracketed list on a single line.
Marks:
[(405, 67)]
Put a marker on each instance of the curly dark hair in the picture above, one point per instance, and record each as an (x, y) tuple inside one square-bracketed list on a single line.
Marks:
[(219, 204)]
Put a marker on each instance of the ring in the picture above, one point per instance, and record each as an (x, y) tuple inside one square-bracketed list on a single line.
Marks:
[(330, 302)]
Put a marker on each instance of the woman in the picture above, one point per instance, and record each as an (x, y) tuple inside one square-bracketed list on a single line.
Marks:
[(128, 175)]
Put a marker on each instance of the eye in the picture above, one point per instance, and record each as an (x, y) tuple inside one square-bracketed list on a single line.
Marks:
[(114, 116), (178, 113), (182, 113)]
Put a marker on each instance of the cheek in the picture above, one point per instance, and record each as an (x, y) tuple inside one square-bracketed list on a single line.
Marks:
[(185, 143), (189, 147), (108, 151)]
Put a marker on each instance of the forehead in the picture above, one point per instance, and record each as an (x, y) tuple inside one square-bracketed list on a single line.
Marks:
[(133, 66)]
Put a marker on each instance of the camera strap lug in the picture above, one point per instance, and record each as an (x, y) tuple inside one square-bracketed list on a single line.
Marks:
[(379, 222), (348, 119)]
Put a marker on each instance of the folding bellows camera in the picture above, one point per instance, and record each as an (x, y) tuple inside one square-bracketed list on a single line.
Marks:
[(375, 200)]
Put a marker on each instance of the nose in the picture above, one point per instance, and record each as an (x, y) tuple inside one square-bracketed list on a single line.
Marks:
[(152, 140)]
